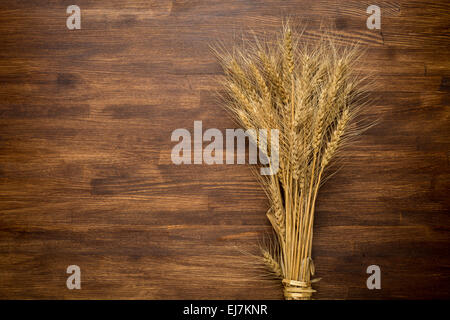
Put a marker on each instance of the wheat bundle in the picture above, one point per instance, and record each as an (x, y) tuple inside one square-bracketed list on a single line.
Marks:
[(311, 95)]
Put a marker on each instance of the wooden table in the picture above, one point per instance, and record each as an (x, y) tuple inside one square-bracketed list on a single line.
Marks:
[(86, 176)]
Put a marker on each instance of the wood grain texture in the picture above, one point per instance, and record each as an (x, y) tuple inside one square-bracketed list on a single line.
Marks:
[(86, 178)]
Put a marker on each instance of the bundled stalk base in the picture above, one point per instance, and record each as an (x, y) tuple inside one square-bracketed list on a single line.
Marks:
[(310, 95), (297, 290)]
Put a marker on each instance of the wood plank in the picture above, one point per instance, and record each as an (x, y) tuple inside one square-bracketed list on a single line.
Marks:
[(86, 176)]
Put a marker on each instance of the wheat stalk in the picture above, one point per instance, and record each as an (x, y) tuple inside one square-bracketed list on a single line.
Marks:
[(311, 95)]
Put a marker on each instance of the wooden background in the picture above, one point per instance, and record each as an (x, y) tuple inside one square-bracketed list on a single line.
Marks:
[(86, 177)]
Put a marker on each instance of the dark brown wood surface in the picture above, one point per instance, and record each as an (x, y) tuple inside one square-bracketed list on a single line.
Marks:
[(86, 177)]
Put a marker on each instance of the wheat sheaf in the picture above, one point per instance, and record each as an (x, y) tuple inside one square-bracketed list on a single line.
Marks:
[(311, 94)]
